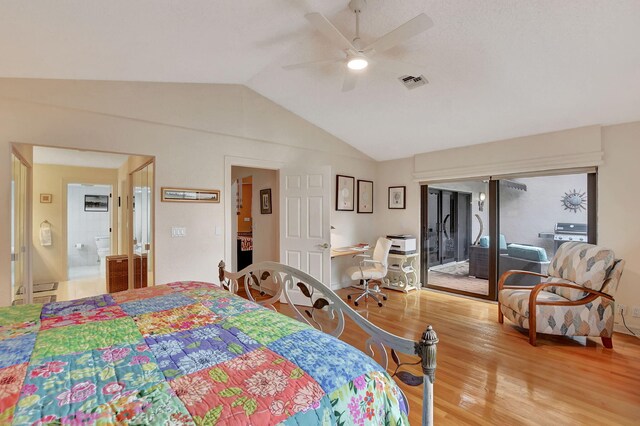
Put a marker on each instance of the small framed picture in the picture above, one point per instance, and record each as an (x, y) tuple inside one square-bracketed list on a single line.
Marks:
[(344, 192), (265, 201), (365, 196), (46, 198), (397, 197)]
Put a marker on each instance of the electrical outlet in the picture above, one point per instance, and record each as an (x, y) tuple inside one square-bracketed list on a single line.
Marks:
[(636, 312), (621, 308)]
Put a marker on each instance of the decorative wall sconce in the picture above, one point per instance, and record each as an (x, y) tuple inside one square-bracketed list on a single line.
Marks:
[(481, 197)]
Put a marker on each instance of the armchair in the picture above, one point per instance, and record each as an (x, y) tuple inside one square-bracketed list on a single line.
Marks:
[(576, 298), (371, 268)]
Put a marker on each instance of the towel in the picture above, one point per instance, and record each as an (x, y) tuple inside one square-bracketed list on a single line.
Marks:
[(45, 235), (246, 243)]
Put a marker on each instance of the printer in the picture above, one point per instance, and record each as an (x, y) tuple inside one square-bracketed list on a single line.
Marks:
[(403, 244)]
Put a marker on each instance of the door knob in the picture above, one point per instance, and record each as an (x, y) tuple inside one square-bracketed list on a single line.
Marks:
[(325, 245)]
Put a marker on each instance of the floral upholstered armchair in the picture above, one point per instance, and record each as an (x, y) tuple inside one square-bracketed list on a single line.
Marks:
[(576, 298)]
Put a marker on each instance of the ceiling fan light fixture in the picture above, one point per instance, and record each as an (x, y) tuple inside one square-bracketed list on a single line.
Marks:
[(357, 63)]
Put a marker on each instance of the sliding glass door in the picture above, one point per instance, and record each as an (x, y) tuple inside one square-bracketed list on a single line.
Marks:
[(475, 230), (141, 257), (453, 225), (538, 214), (20, 286)]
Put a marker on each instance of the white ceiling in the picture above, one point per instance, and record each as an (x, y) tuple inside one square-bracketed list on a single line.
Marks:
[(72, 157), (497, 69)]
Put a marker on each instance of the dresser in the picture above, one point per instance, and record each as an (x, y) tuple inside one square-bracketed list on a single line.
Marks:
[(118, 272)]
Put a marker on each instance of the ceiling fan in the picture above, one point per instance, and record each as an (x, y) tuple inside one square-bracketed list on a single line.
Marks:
[(357, 56)]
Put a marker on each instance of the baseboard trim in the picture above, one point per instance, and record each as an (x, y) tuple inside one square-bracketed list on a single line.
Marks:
[(619, 328)]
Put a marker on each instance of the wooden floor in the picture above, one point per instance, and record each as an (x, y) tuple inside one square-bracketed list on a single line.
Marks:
[(488, 374)]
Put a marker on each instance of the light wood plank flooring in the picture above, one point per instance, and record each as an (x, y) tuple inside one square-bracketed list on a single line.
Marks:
[(488, 374)]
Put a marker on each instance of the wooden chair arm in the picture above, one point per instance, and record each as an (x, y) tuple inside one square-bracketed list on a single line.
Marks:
[(593, 294), (507, 274)]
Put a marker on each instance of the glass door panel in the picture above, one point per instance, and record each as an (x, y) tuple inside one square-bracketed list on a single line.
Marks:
[(448, 225), (433, 228), (142, 250), (19, 176), (537, 215), (456, 238)]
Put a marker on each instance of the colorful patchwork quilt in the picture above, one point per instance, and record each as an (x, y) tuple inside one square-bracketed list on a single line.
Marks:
[(181, 354)]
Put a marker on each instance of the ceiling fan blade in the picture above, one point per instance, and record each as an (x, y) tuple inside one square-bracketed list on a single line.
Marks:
[(311, 64), (404, 32), (327, 29), (350, 80)]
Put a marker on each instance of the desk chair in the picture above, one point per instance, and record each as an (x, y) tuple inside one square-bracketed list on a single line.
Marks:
[(371, 269)]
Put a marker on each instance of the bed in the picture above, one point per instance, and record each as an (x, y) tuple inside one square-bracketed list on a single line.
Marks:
[(183, 353)]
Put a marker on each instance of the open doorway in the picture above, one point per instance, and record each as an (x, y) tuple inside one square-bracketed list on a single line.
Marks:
[(77, 216), (89, 229), (256, 220)]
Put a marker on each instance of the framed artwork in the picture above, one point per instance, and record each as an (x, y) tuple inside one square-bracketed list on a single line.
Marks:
[(397, 197), (344, 192), (96, 203), (265, 201), (365, 196), (181, 195), (46, 198)]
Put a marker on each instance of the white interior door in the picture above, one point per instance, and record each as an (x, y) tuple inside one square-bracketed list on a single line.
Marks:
[(305, 229)]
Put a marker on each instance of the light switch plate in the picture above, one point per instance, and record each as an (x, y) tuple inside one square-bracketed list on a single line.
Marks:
[(218, 231), (178, 231)]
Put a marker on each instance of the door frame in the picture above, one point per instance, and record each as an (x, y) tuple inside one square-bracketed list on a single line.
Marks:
[(28, 231), (493, 247), (65, 215), (229, 162)]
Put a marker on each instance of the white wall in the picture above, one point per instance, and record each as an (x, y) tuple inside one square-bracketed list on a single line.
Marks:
[(189, 129), (85, 226)]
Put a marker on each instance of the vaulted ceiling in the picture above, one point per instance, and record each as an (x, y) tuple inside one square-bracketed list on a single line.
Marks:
[(496, 69)]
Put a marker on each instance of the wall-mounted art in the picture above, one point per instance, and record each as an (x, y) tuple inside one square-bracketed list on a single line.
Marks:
[(397, 197), (265, 201), (46, 198), (182, 195), (344, 192), (365, 196), (96, 203)]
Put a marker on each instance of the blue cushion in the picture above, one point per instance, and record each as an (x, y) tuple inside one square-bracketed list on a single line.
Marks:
[(536, 254), (484, 242)]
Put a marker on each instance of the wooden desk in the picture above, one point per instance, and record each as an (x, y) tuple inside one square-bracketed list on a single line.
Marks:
[(346, 251)]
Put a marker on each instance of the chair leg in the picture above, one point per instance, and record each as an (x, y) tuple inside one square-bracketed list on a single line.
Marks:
[(500, 315), (532, 336), (360, 297), (607, 342)]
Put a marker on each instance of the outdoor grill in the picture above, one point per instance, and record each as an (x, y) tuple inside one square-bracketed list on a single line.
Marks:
[(565, 231)]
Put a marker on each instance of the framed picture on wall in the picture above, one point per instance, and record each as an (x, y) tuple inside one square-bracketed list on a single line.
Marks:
[(96, 203), (183, 195), (397, 197), (265, 201), (365, 196), (46, 198), (344, 192)]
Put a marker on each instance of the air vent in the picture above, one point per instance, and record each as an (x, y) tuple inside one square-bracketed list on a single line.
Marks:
[(411, 82)]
